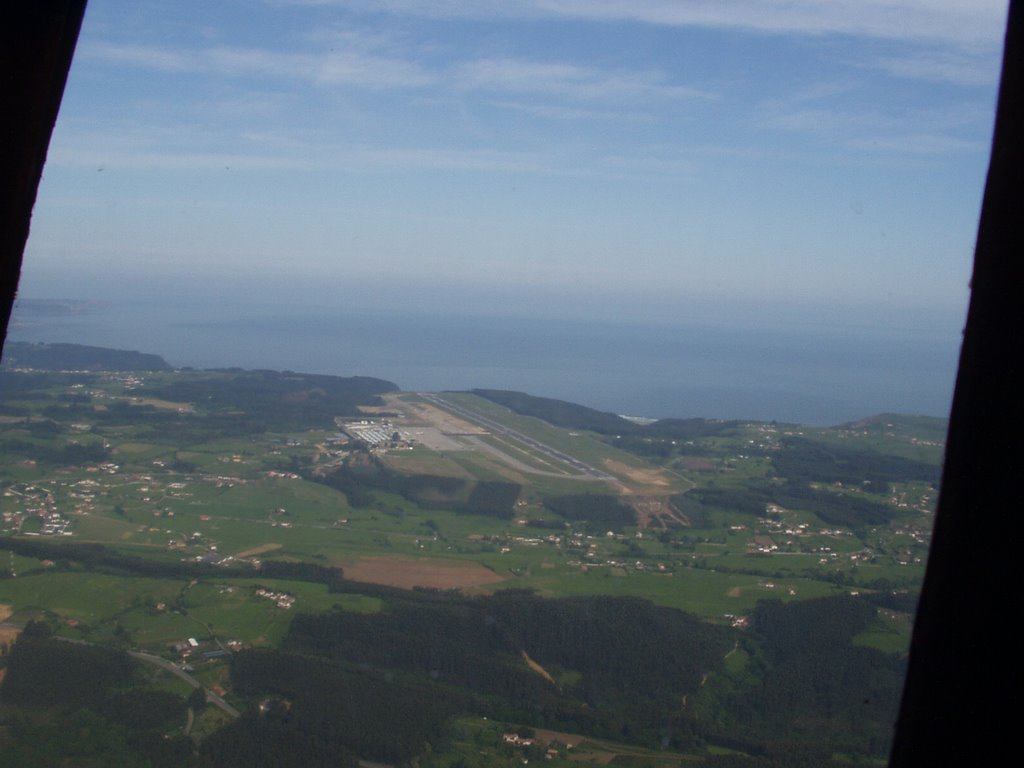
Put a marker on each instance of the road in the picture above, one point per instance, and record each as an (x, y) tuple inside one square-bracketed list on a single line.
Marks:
[(174, 669)]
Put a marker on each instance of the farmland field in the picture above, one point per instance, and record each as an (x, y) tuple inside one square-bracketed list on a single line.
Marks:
[(198, 532)]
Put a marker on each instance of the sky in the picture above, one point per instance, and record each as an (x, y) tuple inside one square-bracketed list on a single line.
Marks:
[(801, 160)]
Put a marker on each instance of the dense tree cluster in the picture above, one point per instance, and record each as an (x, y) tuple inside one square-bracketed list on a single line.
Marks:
[(810, 686), (902, 600), (78, 357), (618, 666), (142, 709), (690, 429), (493, 499), (97, 717), (358, 481), (33, 385), (70, 454), (609, 667), (383, 686), (283, 401), (558, 412), (651, 439), (322, 709), (232, 403), (802, 461), (696, 513), (836, 507), (43, 671), (281, 737), (601, 512), (332, 576), (98, 558)]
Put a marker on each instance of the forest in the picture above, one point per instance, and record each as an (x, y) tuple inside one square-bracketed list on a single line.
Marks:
[(383, 685), (97, 714), (78, 357), (278, 400), (833, 506), (579, 621)]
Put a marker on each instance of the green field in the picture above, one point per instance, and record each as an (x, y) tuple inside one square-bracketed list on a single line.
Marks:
[(216, 496), (196, 529)]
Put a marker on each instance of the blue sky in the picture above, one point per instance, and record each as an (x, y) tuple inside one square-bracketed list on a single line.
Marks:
[(801, 160)]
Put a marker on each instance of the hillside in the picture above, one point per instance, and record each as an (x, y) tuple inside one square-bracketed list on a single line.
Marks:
[(661, 594), (78, 357)]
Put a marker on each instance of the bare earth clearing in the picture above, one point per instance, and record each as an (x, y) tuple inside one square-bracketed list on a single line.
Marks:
[(406, 572), (7, 634), (644, 477), (655, 512), (569, 739)]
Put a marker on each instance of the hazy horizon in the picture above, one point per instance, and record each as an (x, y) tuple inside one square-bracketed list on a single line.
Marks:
[(804, 373), (818, 166)]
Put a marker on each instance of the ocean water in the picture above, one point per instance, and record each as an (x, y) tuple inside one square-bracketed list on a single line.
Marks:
[(806, 374)]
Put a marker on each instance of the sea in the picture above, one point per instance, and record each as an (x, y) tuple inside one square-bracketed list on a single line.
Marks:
[(817, 374)]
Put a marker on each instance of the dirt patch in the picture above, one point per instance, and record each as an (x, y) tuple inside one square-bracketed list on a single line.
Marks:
[(537, 668), (393, 406), (8, 635), (262, 549), (594, 758), (569, 739), (5, 611), (656, 512), (649, 477), (408, 572), (376, 409), (734, 592)]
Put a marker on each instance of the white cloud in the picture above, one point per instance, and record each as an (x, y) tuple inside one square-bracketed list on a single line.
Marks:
[(333, 68), (355, 68), (911, 144), (967, 22), (161, 59), (139, 151), (954, 41), (562, 112), (877, 133), (137, 159), (961, 22), (569, 81), (958, 67)]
